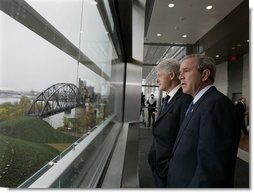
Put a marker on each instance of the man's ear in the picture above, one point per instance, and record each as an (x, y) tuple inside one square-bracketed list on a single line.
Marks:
[(172, 75), (205, 74)]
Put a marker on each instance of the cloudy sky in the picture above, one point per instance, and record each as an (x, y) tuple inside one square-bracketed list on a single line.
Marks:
[(28, 62)]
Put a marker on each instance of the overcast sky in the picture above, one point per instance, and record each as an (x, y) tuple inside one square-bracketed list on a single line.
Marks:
[(28, 62)]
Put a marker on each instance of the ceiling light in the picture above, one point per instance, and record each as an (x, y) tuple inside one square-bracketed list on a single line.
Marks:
[(158, 35), (209, 7), (184, 36), (217, 56), (248, 40), (171, 5)]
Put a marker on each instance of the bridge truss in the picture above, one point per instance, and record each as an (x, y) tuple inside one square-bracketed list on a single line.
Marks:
[(58, 98)]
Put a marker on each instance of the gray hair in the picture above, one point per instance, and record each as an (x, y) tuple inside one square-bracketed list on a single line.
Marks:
[(169, 65), (204, 62)]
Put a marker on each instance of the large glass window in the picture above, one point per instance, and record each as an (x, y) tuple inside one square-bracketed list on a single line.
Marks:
[(51, 95)]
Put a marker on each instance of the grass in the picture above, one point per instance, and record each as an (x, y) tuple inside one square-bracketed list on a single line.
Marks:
[(34, 130), (26, 145), (22, 158)]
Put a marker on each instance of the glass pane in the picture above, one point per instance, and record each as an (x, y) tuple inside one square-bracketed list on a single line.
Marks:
[(60, 14), (49, 99)]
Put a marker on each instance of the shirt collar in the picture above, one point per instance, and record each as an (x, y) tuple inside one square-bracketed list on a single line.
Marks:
[(173, 92), (200, 93)]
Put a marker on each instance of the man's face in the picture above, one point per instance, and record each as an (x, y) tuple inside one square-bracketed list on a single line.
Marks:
[(191, 78), (163, 80)]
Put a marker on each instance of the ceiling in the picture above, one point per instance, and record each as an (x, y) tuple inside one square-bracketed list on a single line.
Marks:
[(190, 17)]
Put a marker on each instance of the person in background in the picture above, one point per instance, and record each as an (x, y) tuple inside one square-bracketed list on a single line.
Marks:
[(241, 109), (151, 102), (142, 105), (205, 150), (168, 121)]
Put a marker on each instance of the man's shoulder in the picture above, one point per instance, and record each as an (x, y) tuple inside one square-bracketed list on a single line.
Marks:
[(216, 98), (217, 95), (184, 98)]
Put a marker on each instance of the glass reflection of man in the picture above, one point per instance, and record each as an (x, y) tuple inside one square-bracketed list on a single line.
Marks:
[(151, 102), (142, 113)]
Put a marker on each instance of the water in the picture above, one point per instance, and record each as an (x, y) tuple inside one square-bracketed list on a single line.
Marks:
[(10, 100)]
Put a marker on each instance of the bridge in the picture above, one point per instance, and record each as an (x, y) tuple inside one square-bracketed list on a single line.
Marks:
[(57, 98)]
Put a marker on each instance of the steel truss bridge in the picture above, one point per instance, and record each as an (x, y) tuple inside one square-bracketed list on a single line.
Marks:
[(58, 98)]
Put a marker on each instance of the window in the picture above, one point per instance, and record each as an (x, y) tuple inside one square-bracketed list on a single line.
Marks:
[(56, 82)]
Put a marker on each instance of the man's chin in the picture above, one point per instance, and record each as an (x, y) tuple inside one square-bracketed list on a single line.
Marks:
[(185, 91)]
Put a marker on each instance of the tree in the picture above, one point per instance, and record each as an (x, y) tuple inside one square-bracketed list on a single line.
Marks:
[(5, 114), (23, 106)]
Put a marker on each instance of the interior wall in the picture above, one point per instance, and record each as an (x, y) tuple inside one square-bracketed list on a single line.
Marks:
[(246, 79), (134, 68), (221, 78), (133, 90), (117, 83), (235, 78)]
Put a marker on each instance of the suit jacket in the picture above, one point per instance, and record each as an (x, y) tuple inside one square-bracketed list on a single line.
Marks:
[(165, 130), (241, 108), (205, 150)]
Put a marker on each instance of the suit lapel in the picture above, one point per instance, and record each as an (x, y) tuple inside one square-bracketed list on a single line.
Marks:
[(171, 103), (190, 115)]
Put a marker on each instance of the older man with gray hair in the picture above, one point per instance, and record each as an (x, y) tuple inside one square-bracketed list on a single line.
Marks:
[(169, 119)]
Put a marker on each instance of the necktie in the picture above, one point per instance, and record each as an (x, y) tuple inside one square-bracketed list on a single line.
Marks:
[(190, 108), (164, 104)]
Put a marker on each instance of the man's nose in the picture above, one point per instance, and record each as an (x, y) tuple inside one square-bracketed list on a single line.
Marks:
[(180, 76)]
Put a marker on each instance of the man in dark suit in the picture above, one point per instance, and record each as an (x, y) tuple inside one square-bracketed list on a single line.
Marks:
[(168, 122), (205, 150), (241, 109)]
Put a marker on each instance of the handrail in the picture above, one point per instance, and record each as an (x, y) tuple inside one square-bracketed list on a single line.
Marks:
[(56, 167)]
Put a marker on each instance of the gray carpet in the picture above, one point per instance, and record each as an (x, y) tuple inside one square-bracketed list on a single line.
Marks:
[(145, 174)]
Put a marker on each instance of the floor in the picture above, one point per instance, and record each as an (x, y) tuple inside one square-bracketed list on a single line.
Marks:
[(244, 142), (145, 175)]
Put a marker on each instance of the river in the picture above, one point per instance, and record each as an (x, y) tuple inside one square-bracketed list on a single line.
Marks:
[(10, 100)]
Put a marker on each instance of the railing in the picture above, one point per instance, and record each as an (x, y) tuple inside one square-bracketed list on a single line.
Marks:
[(89, 154)]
